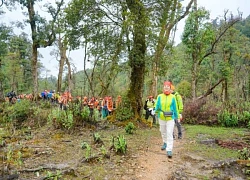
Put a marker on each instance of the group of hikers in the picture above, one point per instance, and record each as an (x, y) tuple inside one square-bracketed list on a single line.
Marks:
[(166, 109), (105, 105)]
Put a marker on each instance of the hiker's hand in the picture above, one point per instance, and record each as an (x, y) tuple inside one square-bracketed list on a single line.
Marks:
[(180, 118)]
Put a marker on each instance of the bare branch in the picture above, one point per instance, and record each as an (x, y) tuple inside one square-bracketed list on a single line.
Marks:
[(185, 13), (229, 25), (210, 90)]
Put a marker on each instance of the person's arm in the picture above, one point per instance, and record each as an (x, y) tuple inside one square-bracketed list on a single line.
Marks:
[(175, 109), (157, 105), (180, 103)]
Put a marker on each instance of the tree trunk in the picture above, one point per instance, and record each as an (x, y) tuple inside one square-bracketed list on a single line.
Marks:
[(194, 56), (194, 78), (60, 73), (69, 75), (137, 56), (62, 60), (248, 87), (1, 82), (34, 71), (38, 41)]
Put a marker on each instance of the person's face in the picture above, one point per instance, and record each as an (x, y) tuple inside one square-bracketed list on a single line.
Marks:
[(167, 89)]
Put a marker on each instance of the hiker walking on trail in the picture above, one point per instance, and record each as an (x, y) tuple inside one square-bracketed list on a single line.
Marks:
[(149, 107), (166, 110), (180, 110)]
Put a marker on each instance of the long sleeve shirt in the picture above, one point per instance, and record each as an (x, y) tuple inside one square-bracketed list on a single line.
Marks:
[(166, 103)]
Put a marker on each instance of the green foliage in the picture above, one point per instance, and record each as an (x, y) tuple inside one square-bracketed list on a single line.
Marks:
[(124, 112), (197, 32), (53, 176), (120, 144), (224, 69), (244, 154), (245, 117), (97, 138), (227, 119), (130, 128), (76, 108), (45, 104), (18, 160), (184, 89), (19, 111), (86, 146), (9, 154), (104, 150), (68, 121), (85, 113), (96, 115), (61, 118)]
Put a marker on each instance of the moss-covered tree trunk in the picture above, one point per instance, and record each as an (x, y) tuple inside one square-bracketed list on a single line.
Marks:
[(137, 56)]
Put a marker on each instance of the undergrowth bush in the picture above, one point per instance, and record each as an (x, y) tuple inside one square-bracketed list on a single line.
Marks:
[(18, 112), (130, 128), (200, 112), (124, 111), (244, 154), (59, 118), (208, 112), (85, 113), (120, 144), (227, 119)]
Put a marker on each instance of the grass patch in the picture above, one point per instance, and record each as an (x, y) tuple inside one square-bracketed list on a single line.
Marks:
[(196, 133), (214, 152)]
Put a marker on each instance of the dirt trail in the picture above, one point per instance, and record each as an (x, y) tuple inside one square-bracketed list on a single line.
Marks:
[(153, 163)]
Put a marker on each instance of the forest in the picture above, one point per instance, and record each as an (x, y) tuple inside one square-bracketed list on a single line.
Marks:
[(131, 53), (130, 45)]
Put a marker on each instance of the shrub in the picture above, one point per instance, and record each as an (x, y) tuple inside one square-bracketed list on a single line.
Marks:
[(130, 127), (85, 112), (61, 118), (18, 112), (227, 119), (124, 111), (244, 154), (120, 144), (184, 88), (200, 112)]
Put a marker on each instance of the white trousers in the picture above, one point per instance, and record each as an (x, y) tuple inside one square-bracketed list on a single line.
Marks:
[(167, 129)]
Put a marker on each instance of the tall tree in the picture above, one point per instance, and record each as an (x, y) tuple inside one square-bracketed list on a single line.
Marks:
[(137, 54), (5, 36), (168, 13), (42, 32), (201, 39), (95, 26)]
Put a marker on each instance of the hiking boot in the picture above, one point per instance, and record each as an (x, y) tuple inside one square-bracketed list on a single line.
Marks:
[(164, 146), (169, 154)]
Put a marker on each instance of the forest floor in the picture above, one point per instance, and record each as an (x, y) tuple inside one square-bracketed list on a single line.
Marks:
[(48, 153)]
